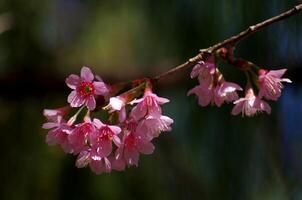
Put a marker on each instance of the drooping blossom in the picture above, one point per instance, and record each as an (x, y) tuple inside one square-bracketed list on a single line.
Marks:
[(80, 135), (271, 83), (134, 143), (84, 89), (217, 92), (204, 70), (96, 163), (204, 94), (102, 138), (58, 134), (250, 105), (117, 104), (212, 87), (100, 148), (225, 92), (149, 104), (153, 125)]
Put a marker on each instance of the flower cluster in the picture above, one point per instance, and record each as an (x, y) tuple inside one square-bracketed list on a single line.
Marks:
[(114, 124), (111, 142), (214, 89)]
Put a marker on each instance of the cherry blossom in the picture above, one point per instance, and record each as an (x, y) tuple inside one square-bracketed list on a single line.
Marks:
[(271, 83), (58, 134), (84, 89), (134, 142), (96, 163), (153, 125), (148, 105), (250, 105), (80, 135), (102, 138), (117, 104)]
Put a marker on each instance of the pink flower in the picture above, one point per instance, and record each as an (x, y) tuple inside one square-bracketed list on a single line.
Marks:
[(102, 138), (202, 69), (212, 87), (250, 105), (84, 89), (134, 143), (226, 92), (97, 164), (117, 104), (204, 94), (153, 125), (271, 83), (148, 105), (79, 136), (58, 134), (223, 92)]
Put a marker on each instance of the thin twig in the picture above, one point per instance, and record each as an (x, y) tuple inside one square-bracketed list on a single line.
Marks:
[(230, 41)]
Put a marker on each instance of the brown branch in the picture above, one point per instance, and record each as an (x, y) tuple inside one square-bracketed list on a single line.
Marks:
[(230, 41)]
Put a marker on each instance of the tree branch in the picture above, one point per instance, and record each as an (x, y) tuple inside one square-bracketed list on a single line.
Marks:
[(230, 41)]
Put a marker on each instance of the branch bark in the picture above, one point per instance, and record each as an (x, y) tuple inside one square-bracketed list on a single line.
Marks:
[(232, 41)]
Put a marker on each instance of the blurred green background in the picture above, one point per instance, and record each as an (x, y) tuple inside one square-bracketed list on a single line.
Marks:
[(208, 155)]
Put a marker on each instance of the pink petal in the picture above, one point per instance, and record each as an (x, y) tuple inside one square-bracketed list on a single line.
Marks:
[(155, 110), (119, 153), (161, 100), (71, 96), (262, 105), (98, 78), (116, 140), (166, 120), (131, 156), (100, 166), (78, 137), (75, 100), (276, 73), (83, 159), (90, 103), (55, 115), (145, 147), (118, 164), (107, 165), (49, 125), (135, 101), (86, 74), (115, 129), (138, 112), (229, 87), (237, 108), (95, 166), (266, 107), (104, 147), (72, 81), (217, 98), (196, 70), (55, 137), (122, 115), (100, 88), (98, 123)]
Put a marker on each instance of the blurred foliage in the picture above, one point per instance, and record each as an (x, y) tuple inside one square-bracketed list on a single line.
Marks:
[(208, 155)]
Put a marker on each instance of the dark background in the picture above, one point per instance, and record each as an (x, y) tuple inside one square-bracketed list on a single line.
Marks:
[(208, 155)]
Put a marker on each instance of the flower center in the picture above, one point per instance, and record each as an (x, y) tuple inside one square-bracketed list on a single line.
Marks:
[(86, 128), (130, 140), (85, 89), (106, 133)]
